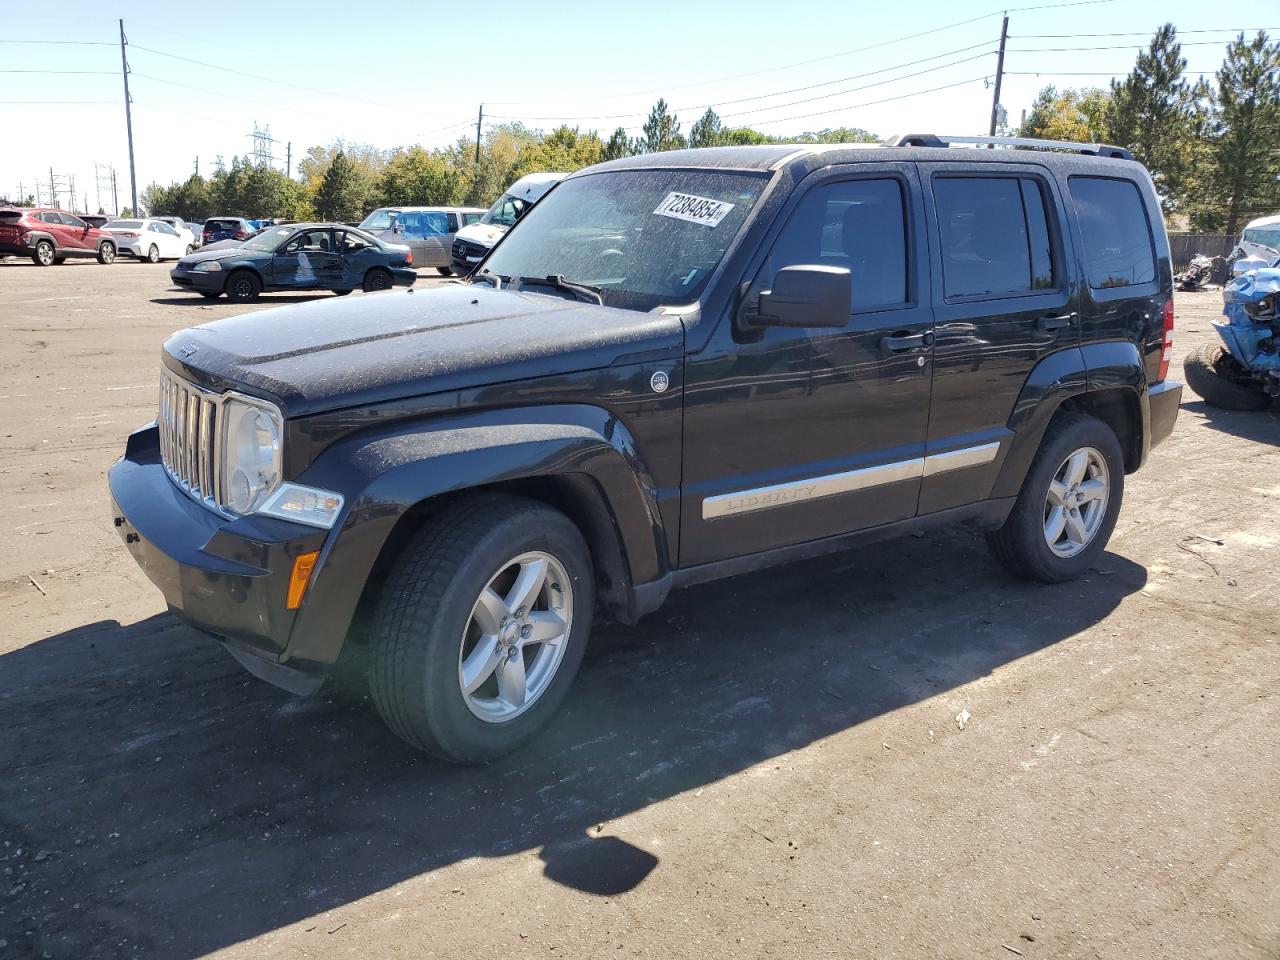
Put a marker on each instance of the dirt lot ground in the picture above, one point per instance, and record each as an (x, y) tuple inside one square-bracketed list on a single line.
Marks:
[(770, 767)]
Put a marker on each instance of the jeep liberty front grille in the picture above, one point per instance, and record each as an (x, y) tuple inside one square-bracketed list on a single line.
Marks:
[(190, 422)]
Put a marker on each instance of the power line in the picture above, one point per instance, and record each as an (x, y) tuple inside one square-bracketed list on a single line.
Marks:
[(96, 73), (1123, 46), (58, 103), (65, 43), (872, 103), (1132, 33)]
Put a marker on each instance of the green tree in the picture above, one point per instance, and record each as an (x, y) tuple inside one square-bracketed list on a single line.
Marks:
[(661, 131), (838, 135), (342, 192), (564, 149), (708, 131), (499, 150), (1151, 113), (1076, 115), (418, 176), (619, 145), (1239, 165)]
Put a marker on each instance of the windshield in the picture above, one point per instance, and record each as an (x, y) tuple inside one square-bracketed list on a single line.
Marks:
[(268, 239), (1266, 236), (506, 211), (643, 237), (379, 219)]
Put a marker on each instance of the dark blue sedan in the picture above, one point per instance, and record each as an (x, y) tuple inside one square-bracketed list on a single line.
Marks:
[(300, 256)]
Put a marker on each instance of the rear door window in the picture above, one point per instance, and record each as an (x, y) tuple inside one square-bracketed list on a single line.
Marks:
[(995, 237), (1117, 235)]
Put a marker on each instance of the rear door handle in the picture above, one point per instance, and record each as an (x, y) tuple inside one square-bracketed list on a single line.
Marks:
[(1055, 321), (899, 342)]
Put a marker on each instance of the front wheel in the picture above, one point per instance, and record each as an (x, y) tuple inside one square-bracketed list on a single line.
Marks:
[(1068, 504), (1217, 376), (377, 279), (481, 627), (153, 254), (243, 286), (107, 253)]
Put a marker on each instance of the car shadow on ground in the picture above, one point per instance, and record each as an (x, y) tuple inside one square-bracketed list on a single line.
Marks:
[(195, 300), (1262, 426), (165, 802)]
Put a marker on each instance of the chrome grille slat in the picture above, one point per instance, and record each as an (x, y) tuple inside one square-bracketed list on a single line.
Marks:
[(190, 420)]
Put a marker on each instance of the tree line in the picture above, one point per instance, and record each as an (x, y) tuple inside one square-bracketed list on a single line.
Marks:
[(1213, 148)]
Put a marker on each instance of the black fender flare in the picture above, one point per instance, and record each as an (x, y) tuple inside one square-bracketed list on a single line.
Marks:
[(1057, 378), (35, 236), (385, 474)]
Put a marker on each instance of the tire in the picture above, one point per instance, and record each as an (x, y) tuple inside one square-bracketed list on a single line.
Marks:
[(444, 271), (153, 254), (1022, 545), (190, 250), (377, 279), (107, 253), (210, 294), (427, 622), (44, 255), (242, 286), (341, 293), (1218, 377)]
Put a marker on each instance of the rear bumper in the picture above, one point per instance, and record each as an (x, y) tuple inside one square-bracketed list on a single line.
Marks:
[(14, 247), (228, 578), (1163, 398)]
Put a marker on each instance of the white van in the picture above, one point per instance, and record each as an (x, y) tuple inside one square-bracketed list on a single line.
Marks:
[(1261, 238), (474, 241)]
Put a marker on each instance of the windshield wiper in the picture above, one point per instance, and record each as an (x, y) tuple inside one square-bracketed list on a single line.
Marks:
[(581, 290)]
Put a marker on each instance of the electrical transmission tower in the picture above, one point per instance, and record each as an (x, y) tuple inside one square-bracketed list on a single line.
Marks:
[(262, 145), (104, 178)]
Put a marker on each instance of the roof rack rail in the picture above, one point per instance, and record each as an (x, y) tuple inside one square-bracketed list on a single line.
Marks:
[(933, 140)]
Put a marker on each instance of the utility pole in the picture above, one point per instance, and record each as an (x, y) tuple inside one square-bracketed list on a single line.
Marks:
[(995, 100), (128, 119), (288, 159), (115, 195), (197, 165), (53, 191), (71, 181), (479, 124)]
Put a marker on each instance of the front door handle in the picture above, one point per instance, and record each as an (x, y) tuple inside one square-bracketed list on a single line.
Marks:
[(904, 341), (1056, 321)]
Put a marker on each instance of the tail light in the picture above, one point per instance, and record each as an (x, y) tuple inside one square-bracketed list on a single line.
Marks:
[(408, 257), (241, 235), (126, 233), (1166, 348)]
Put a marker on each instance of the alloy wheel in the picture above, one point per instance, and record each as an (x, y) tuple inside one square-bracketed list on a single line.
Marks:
[(1076, 502), (515, 638)]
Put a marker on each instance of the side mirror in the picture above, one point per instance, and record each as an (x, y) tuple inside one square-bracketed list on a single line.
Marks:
[(805, 295)]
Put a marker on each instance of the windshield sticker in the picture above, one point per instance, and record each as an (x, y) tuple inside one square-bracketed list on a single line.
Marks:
[(685, 206)]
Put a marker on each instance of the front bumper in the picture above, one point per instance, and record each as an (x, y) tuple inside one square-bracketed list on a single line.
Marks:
[(204, 281), (1164, 398), (228, 578)]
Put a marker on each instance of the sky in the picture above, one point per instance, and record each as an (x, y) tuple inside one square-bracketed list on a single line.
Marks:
[(417, 73)]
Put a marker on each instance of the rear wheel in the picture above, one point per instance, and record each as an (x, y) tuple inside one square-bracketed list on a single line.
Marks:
[(377, 279), (44, 255), (1068, 504), (243, 286), (444, 271), (480, 628), (189, 250), (1217, 376), (107, 252), (153, 254)]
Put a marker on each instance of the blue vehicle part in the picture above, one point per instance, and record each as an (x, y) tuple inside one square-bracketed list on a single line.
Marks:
[(1252, 309)]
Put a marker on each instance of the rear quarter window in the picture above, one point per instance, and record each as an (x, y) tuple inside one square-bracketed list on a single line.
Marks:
[(1118, 251)]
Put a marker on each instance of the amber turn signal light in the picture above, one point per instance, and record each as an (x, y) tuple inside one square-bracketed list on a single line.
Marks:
[(303, 564)]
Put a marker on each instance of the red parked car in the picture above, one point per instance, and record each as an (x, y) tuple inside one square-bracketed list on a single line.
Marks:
[(50, 236)]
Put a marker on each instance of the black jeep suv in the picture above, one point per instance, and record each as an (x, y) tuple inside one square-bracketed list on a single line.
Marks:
[(677, 367)]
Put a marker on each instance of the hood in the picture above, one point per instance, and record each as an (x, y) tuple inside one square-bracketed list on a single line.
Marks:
[(329, 354), (485, 234), (216, 251)]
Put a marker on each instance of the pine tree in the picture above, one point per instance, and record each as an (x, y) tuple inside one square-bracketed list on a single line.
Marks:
[(1151, 114), (661, 131), (1240, 161), (341, 195), (619, 145), (707, 132)]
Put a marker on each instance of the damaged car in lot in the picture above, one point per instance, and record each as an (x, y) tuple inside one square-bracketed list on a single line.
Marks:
[(303, 256), (676, 367), (1243, 373)]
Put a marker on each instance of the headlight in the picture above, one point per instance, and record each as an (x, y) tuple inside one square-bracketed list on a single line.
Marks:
[(251, 453), (208, 266)]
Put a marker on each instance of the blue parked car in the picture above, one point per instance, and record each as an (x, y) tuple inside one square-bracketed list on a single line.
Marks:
[(300, 256)]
